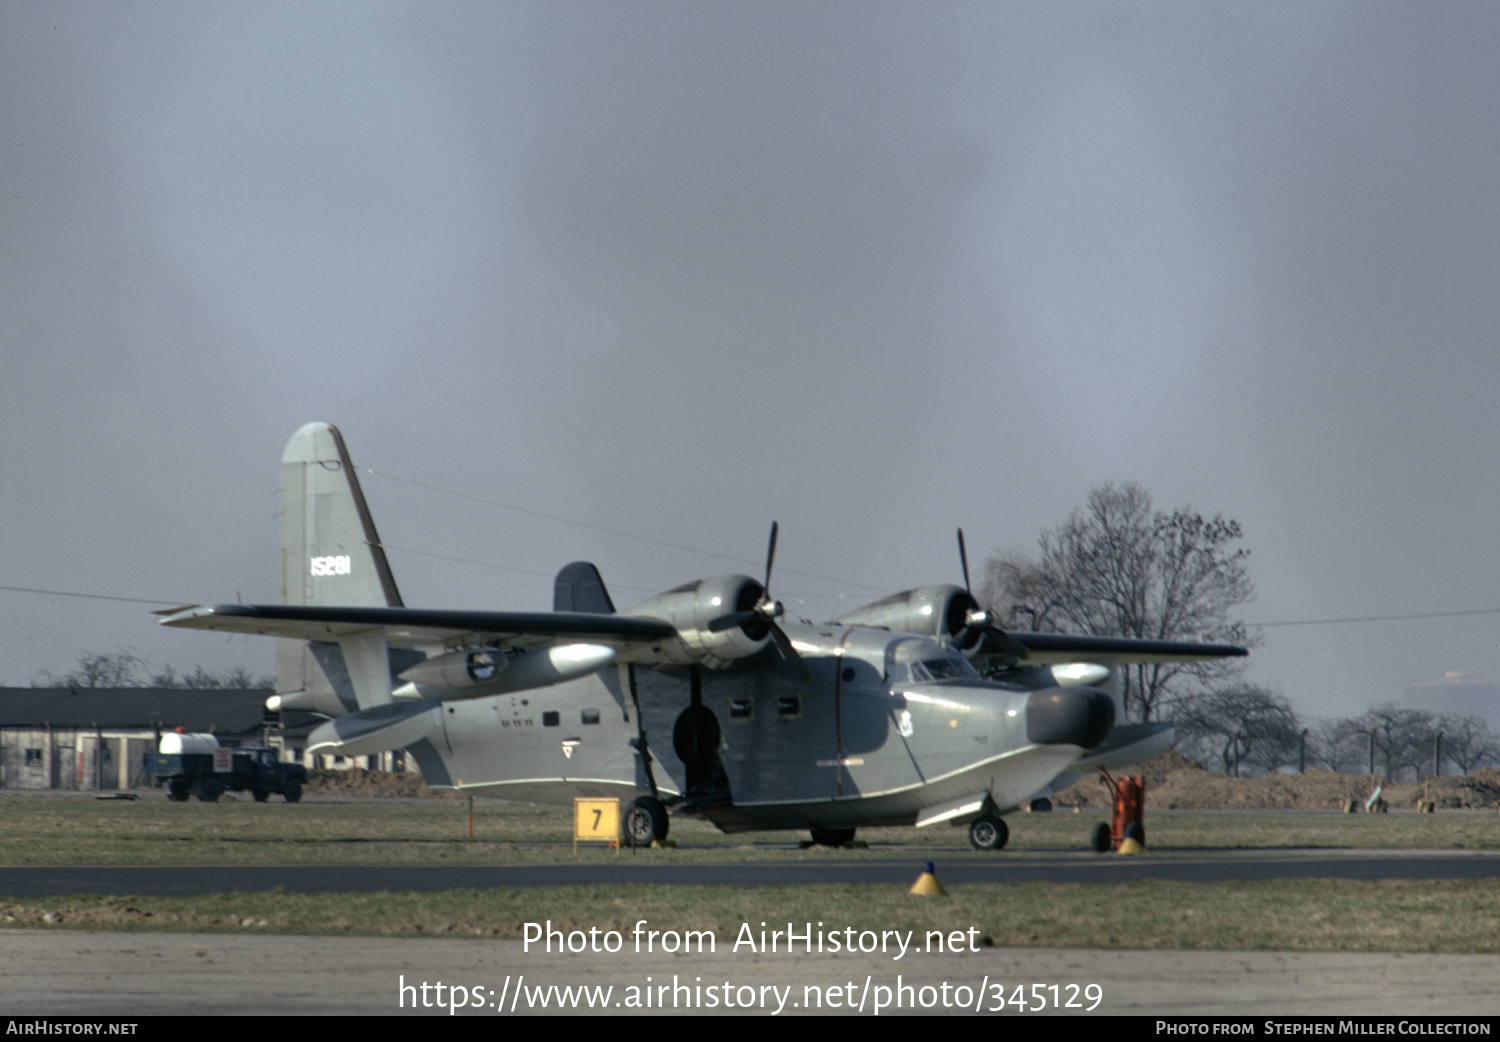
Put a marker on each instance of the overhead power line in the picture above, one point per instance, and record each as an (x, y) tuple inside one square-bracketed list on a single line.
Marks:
[(1379, 618), (601, 528), (95, 596)]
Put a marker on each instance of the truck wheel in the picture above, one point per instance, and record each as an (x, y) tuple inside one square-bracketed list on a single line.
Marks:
[(261, 795), (1101, 838), (292, 790), (209, 789), (177, 790), (646, 821)]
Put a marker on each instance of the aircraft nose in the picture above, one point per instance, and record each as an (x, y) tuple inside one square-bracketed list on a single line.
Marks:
[(1077, 716)]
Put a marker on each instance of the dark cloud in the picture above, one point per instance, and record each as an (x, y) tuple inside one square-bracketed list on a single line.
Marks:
[(676, 270)]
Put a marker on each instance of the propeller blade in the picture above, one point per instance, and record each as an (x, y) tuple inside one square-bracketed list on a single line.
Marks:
[(981, 622), (1005, 645), (770, 559), (789, 653)]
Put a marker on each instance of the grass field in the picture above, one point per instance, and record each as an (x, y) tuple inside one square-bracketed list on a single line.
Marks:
[(1391, 915), (71, 831), (1290, 915)]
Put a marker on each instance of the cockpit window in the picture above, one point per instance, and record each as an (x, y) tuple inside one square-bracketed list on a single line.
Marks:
[(949, 667), (918, 661)]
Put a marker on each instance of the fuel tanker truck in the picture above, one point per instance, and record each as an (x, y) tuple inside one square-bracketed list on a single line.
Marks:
[(188, 764)]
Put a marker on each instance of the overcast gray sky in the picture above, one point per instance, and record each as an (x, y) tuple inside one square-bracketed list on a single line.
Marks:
[(675, 270)]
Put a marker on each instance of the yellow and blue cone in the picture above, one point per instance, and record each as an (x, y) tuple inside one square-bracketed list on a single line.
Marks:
[(927, 884)]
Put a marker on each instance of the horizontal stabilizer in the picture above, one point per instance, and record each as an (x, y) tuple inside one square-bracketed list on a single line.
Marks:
[(407, 627), (391, 726)]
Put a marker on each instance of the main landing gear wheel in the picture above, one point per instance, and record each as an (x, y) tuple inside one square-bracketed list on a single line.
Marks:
[(832, 837), (645, 821), (988, 833), (1101, 838)]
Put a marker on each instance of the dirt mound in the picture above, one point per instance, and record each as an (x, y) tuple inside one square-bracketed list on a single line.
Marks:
[(359, 782), (1176, 783)]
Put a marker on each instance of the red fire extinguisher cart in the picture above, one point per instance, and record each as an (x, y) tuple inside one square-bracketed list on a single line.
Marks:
[(1127, 821)]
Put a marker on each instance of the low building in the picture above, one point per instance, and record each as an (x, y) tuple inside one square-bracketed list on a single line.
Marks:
[(98, 738)]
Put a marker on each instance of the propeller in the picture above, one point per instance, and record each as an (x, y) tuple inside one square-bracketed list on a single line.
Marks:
[(761, 619), (979, 622)]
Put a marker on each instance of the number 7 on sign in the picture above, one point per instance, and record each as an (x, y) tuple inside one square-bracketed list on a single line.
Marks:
[(596, 821)]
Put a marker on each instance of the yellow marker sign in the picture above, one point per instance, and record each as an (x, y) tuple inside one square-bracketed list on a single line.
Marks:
[(596, 821)]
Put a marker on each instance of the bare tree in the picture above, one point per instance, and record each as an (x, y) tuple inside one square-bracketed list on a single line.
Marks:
[(124, 668), (1468, 742), (1402, 737), (119, 668), (164, 677), (1341, 745), (1243, 725), (1119, 568)]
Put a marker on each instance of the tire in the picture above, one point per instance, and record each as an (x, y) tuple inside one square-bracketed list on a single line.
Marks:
[(988, 833), (1100, 839), (646, 821), (832, 837), (292, 790), (209, 790), (1136, 831), (261, 795), (177, 790)]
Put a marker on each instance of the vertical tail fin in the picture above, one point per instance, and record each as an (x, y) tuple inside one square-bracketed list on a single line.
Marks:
[(330, 555), (580, 587), (330, 551)]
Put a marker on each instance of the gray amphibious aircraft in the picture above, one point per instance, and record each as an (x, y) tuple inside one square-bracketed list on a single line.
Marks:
[(703, 700)]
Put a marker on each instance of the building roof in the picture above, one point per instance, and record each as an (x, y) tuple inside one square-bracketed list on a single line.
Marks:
[(221, 710)]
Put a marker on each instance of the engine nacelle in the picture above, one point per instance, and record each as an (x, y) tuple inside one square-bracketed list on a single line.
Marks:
[(490, 671), (692, 607), (941, 612)]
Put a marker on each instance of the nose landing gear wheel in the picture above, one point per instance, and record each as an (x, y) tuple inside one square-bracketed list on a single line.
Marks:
[(988, 833), (646, 820)]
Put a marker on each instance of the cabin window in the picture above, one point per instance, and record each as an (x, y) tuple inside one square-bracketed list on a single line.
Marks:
[(788, 706), (550, 718), (739, 709), (590, 716)]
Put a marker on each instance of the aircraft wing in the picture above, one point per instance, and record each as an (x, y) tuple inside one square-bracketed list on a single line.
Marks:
[(414, 627), (1049, 648)]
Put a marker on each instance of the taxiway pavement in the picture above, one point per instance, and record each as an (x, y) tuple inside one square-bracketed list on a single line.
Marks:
[(158, 880)]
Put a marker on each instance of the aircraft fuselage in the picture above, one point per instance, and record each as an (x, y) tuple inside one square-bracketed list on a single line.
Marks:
[(866, 742)]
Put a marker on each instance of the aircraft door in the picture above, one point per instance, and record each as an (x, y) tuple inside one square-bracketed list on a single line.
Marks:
[(695, 739)]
